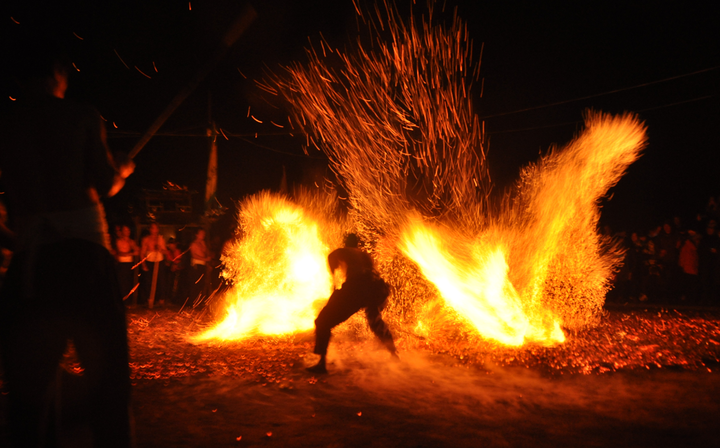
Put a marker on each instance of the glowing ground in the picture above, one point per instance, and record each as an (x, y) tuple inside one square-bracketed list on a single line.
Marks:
[(188, 395), (642, 378)]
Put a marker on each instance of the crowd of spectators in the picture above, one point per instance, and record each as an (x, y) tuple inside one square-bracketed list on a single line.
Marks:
[(673, 263), (159, 272)]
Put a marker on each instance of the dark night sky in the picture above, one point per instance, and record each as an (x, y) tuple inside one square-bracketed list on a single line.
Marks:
[(534, 55)]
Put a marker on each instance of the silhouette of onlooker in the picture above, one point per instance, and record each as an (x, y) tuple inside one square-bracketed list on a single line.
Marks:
[(126, 253), (153, 252), (708, 250), (61, 284), (668, 246), (6, 242), (174, 270), (689, 266), (199, 265)]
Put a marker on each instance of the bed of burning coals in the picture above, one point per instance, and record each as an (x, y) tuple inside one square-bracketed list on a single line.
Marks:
[(624, 340)]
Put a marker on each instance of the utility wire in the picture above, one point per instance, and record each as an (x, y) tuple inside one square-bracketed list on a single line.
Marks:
[(304, 156), (676, 103), (599, 94), (566, 123)]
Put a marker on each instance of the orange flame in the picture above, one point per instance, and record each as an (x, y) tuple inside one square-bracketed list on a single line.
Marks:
[(397, 125), (540, 264), (279, 269)]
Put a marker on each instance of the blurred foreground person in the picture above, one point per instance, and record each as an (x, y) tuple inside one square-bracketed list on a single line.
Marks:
[(61, 285), (363, 288)]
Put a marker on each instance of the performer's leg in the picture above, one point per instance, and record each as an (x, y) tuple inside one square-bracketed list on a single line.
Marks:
[(380, 328), (340, 307)]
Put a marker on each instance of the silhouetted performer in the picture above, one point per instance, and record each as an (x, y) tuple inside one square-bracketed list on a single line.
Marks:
[(61, 284), (363, 288)]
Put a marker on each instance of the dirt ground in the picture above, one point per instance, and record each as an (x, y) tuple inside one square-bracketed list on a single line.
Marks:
[(258, 393), (666, 391), (423, 402)]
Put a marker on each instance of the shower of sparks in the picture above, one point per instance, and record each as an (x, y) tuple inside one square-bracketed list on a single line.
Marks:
[(395, 118), (403, 105), (539, 263)]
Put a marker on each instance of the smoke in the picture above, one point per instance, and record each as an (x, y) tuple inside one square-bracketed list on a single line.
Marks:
[(425, 385)]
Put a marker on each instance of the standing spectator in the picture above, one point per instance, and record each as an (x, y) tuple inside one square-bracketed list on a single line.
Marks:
[(652, 282), (698, 224), (199, 264), (668, 246), (679, 228), (7, 238), (711, 209), (174, 268), (61, 284), (623, 289), (689, 266), (638, 267), (708, 249), (126, 253), (153, 251)]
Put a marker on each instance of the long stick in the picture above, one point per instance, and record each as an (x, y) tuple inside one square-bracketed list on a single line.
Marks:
[(153, 285), (239, 26)]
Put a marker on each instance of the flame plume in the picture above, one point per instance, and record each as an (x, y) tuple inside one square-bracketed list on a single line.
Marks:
[(540, 263), (397, 124), (278, 269)]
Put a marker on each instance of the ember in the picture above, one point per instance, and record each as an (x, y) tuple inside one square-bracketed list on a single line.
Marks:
[(623, 340)]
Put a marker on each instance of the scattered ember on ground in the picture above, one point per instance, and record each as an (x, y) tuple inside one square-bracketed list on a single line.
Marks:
[(624, 340), (159, 349)]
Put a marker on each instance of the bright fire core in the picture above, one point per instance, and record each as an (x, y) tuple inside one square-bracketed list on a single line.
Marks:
[(278, 271)]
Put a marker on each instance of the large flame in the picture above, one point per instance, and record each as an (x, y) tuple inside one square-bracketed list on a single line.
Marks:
[(278, 269), (540, 263), (397, 124)]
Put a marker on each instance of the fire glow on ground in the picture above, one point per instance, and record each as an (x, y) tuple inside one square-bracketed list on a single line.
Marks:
[(624, 340)]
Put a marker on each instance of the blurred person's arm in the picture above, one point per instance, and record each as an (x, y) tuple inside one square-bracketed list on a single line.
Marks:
[(106, 173), (134, 247)]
